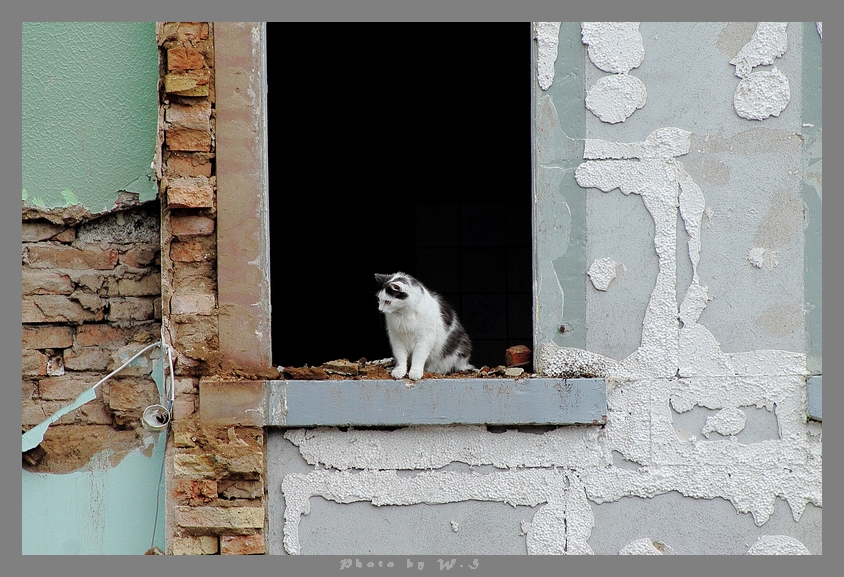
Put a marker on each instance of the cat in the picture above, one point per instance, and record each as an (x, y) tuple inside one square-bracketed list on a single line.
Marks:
[(421, 326)]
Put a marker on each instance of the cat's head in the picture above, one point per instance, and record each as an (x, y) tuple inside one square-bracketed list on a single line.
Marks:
[(397, 290)]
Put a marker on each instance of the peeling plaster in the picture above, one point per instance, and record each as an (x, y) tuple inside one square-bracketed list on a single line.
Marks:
[(726, 422), (646, 546), (777, 545), (615, 47), (547, 37), (603, 271), (764, 93)]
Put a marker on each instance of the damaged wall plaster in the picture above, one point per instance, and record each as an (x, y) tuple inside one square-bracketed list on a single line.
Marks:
[(75, 153), (547, 37), (767, 92), (679, 364), (615, 47)]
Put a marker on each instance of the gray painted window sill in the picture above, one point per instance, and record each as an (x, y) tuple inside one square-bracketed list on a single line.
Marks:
[(533, 401)]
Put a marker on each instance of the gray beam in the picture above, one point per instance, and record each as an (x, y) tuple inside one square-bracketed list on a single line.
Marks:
[(814, 392), (295, 403)]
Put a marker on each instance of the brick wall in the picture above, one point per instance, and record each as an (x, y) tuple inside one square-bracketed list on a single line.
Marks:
[(215, 497), (91, 298)]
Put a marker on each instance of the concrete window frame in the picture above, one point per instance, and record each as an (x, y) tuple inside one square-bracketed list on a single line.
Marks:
[(243, 276)]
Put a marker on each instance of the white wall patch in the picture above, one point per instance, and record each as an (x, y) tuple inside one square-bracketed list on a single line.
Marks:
[(547, 37), (603, 271), (615, 47), (764, 93)]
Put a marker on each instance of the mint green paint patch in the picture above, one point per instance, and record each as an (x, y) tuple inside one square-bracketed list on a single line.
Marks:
[(144, 186), (100, 510), (90, 111), (69, 198), (24, 196)]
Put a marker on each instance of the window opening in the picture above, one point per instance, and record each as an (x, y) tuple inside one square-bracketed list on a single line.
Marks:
[(411, 157)]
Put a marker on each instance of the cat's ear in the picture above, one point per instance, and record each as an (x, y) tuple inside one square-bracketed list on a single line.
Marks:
[(382, 279)]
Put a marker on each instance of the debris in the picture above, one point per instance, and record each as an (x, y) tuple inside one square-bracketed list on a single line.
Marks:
[(517, 356), (341, 367)]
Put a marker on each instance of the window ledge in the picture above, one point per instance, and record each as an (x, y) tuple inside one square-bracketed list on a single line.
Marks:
[(295, 403)]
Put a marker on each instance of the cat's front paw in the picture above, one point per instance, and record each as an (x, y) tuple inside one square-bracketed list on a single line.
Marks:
[(415, 374), (399, 372)]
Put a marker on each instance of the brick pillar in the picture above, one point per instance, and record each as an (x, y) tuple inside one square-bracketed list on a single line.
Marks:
[(215, 496)]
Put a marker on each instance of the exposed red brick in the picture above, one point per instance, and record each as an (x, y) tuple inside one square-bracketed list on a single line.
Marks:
[(198, 304), (45, 282), (517, 356), (203, 490), (68, 386), (191, 225), (191, 31), (34, 363), (196, 116), (86, 359), (181, 58), (243, 544), (46, 337), (32, 413), (52, 256), (35, 231), (129, 397), (189, 166), (67, 236), (138, 257), (189, 251), (221, 519), (56, 309), (104, 335), (148, 285), (195, 192), (130, 309), (189, 83), (188, 139)]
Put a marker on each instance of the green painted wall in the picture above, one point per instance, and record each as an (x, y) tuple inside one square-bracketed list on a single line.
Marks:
[(90, 112)]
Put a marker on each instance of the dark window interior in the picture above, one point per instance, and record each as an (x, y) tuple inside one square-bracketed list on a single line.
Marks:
[(398, 148)]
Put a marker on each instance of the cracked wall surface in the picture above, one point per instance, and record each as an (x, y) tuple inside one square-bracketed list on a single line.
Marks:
[(676, 196)]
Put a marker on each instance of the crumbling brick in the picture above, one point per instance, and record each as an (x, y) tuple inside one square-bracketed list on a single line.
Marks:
[(56, 309), (196, 545), (193, 166), (243, 544), (191, 225), (34, 231), (231, 520), (86, 359), (201, 490), (68, 386), (130, 309), (189, 83), (199, 304), (190, 192), (45, 282), (34, 363), (148, 285), (47, 337), (188, 139), (54, 256), (184, 58), (190, 251)]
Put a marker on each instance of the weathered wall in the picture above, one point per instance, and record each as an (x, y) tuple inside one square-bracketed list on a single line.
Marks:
[(89, 113), (90, 285), (215, 475), (672, 210)]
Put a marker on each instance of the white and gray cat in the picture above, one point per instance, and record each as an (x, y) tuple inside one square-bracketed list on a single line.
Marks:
[(421, 326)]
